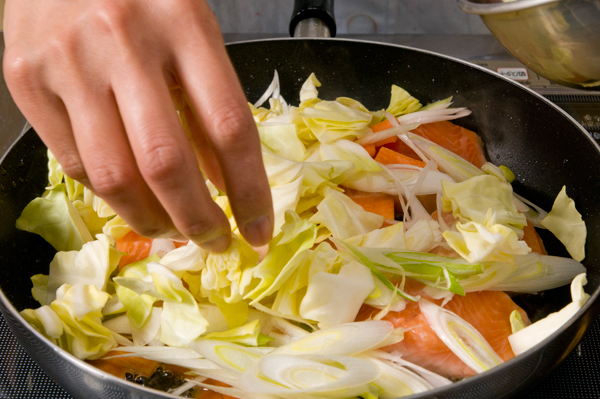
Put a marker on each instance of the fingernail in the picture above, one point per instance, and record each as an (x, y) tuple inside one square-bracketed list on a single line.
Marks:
[(259, 231), (217, 245)]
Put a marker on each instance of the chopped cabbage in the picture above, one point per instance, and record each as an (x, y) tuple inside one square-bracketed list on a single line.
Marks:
[(285, 251), (309, 89), (343, 217), (282, 140), (336, 298), (488, 242), (248, 334), (330, 121), (56, 219), (92, 265), (470, 201), (566, 224), (402, 102), (181, 319), (73, 321)]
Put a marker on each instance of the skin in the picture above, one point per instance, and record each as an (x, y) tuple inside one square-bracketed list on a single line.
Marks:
[(100, 81)]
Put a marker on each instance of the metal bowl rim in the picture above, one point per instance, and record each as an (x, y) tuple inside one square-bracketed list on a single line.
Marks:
[(472, 7)]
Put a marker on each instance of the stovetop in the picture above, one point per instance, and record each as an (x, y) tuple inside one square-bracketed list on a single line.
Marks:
[(578, 377)]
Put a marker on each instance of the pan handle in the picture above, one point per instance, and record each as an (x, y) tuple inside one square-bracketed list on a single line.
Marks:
[(313, 18)]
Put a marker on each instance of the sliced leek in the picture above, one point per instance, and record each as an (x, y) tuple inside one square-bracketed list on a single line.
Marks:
[(324, 376), (461, 337), (532, 335), (344, 339)]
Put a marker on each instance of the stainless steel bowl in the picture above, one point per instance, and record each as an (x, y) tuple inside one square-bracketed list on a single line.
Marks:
[(558, 39)]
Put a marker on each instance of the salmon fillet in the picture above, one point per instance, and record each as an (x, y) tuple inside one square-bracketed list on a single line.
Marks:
[(463, 142), (487, 311)]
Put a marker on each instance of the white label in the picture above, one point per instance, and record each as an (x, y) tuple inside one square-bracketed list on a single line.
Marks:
[(518, 74)]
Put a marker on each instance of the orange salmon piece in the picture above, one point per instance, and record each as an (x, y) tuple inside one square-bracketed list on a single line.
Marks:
[(463, 142), (422, 346), (393, 143), (382, 204), (135, 246), (533, 239), (400, 147), (389, 157), (119, 366), (378, 127), (370, 148), (487, 311)]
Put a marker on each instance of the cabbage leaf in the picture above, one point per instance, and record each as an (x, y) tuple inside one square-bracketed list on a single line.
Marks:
[(346, 150), (336, 298), (470, 201), (565, 222), (282, 139), (330, 121), (488, 242), (248, 334), (530, 336), (73, 321), (227, 275), (296, 236), (343, 217), (181, 319), (401, 102), (309, 91), (56, 219), (92, 265)]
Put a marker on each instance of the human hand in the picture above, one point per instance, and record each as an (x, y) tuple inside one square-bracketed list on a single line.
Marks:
[(97, 79)]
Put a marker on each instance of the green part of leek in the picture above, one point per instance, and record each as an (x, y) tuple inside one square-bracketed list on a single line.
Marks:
[(373, 267)]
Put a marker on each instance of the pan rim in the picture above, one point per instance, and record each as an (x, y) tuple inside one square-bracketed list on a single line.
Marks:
[(24, 130), (532, 351)]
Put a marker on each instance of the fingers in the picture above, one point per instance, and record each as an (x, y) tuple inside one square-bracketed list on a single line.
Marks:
[(44, 110), (165, 158), (220, 108), (106, 155), (110, 164), (129, 147), (201, 147)]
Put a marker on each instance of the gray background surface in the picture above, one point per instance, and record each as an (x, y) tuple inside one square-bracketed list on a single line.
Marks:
[(352, 17)]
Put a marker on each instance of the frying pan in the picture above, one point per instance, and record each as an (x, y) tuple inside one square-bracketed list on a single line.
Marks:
[(542, 145)]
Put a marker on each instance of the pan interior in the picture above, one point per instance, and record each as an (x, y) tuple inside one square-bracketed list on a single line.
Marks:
[(544, 148)]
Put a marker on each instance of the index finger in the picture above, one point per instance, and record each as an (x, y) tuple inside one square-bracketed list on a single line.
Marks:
[(216, 97), (164, 156)]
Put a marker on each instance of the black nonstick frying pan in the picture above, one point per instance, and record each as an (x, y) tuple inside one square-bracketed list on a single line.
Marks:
[(541, 144)]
